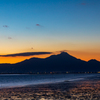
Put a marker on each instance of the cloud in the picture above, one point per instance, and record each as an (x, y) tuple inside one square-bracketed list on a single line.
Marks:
[(63, 51), (38, 25), (83, 3), (9, 37), (6, 26), (31, 48), (25, 54)]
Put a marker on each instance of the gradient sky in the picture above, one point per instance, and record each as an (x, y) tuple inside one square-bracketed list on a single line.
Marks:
[(49, 26)]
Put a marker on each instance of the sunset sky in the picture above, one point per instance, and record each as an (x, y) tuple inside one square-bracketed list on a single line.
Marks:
[(49, 26)]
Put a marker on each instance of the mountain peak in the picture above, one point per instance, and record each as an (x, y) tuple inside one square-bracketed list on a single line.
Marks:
[(62, 56), (64, 53)]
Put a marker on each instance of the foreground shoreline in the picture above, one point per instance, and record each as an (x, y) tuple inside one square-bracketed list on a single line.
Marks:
[(88, 89)]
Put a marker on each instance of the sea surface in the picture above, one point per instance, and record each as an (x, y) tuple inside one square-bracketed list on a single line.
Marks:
[(18, 80)]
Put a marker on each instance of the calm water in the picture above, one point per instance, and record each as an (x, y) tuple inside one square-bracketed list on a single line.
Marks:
[(12, 80)]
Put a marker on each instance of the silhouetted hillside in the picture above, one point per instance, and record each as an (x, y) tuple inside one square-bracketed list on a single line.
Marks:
[(60, 62)]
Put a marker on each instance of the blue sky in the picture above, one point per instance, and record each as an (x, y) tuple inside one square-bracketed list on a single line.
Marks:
[(49, 25)]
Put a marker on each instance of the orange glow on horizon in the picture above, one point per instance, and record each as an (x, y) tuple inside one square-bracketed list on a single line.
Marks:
[(86, 56), (80, 55), (17, 59)]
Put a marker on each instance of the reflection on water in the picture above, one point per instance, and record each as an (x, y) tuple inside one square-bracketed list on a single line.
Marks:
[(11, 80)]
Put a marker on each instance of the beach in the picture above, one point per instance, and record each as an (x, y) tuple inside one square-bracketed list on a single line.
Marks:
[(88, 89)]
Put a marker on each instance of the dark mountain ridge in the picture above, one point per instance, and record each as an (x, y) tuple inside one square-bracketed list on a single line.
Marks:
[(57, 63)]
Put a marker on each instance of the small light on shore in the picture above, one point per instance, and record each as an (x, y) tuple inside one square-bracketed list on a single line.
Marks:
[(98, 72), (50, 72)]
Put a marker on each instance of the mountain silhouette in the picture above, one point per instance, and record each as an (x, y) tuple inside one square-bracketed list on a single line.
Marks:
[(57, 63)]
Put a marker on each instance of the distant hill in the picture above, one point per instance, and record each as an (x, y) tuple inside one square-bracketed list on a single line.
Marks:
[(61, 62)]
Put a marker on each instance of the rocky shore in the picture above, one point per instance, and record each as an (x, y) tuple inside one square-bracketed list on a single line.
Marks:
[(77, 90)]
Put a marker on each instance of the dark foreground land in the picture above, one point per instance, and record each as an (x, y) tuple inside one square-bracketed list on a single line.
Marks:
[(78, 90)]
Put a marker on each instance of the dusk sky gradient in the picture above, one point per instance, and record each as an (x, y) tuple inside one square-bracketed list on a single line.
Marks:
[(49, 26)]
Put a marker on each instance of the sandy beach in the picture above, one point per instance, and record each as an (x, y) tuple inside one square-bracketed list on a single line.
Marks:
[(75, 90)]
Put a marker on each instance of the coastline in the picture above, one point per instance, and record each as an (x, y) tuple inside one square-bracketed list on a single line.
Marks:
[(70, 90), (38, 92)]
